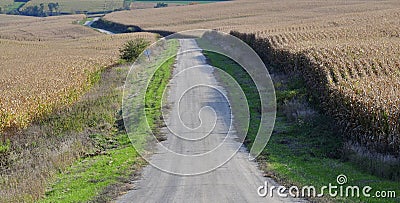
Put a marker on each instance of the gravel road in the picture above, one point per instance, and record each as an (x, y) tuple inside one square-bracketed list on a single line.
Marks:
[(203, 143)]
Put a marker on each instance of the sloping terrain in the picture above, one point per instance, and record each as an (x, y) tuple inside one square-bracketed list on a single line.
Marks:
[(46, 62)]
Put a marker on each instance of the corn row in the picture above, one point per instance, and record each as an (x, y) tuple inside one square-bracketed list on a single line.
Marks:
[(353, 70)]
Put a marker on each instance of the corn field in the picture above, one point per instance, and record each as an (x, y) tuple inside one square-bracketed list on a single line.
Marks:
[(347, 51), (37, 76), (352, 66)]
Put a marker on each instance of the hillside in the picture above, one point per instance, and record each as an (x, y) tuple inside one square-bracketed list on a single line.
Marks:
[(51, 59), (246, 15)]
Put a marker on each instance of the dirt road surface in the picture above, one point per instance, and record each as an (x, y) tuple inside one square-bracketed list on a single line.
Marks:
[(199, 128)]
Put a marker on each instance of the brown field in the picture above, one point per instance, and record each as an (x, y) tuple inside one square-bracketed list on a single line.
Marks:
[(347, 51), (37, 75), (247, 15), (24, 28)]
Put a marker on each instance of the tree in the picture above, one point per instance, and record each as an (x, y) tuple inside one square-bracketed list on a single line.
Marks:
[(160, 5), (127, 5), (41, 10), (1, 10), (53, 7), (34, 11), (132, 49)]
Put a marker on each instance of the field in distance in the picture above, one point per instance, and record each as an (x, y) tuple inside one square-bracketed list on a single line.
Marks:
[(180, 2), (9, 5), (79, 6), (93, 6), (143, 4)]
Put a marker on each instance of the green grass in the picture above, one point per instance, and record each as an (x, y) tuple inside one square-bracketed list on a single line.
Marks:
[(300, 154), (14, 6), (154, 94), (7, 6), (87, 178), (247, 85), (82, 22), (4, 146), (305, 152)]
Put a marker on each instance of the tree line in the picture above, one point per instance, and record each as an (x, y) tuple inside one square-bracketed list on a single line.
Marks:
[(41, 10)]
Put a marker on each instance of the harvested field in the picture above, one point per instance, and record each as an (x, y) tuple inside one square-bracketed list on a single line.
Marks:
[(246, 15), (25, 28)]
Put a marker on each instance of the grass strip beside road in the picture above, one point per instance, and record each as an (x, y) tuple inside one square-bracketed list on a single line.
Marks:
[(247, 85), (154, 96)]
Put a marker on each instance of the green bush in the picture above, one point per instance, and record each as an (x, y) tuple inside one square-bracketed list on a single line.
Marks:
[(132, 49), (4, 146), (4, 154)]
